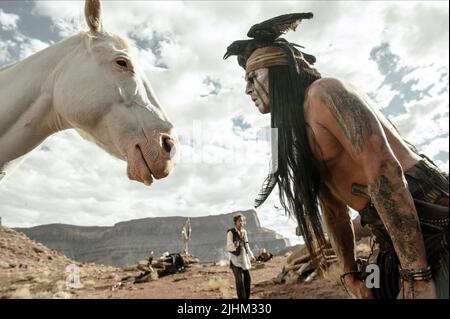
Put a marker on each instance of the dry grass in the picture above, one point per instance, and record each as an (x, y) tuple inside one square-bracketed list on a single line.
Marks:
[(62, 295), (21, 293), (88, 283), (217, 283)]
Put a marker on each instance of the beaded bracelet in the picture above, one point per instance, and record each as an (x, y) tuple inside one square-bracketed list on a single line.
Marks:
[(416, 275), (410, 276)]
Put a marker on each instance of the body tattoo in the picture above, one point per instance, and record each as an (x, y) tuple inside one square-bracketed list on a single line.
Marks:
[(351, 114), (388, 190), (400, 220)]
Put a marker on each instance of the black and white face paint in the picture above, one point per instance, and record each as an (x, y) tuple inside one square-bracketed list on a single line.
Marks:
[(258, 88)]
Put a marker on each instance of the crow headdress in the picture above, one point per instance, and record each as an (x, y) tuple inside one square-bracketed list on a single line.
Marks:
[(267, 33)]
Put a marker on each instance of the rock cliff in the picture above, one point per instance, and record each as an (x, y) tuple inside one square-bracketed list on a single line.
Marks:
[(127, 242)]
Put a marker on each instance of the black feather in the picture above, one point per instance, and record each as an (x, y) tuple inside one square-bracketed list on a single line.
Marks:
[(275, 27), (267, 33)]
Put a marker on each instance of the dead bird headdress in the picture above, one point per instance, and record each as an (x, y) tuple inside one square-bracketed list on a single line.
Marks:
[(290, 73)]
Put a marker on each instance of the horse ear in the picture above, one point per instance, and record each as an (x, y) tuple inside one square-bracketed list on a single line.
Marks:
[(93, 15)]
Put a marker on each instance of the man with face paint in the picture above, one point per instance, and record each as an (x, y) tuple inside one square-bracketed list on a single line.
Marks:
[(336, 152), (257, 84)]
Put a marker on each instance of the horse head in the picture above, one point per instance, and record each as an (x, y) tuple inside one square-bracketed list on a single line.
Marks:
[(101, 92)]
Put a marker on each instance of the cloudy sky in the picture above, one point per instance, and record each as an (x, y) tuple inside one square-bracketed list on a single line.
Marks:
[(395, 52)]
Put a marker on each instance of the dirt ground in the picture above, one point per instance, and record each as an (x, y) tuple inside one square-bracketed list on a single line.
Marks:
[(216, 282), (31, 270)]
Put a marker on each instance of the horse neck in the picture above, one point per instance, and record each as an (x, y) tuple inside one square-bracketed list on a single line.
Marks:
[(26, 109)]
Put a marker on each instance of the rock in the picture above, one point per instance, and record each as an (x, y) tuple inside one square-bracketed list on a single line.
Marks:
[(38, 250), (4, 265), (126, 242)]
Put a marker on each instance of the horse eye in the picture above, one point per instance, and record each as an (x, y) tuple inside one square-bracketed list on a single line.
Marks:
[(122, 63)]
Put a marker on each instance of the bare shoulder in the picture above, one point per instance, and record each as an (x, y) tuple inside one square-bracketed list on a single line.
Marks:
[(338, 107), (326, 83), (332, 96), (319, 97), (326, 87)]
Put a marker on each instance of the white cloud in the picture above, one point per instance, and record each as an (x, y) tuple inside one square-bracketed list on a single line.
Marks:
[(17, 46), (436, 146), (418, 125), (31, 46), (423, 39), (8, 21), (4, 51)]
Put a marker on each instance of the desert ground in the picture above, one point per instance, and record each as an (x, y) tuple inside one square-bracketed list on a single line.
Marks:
[(30, 270)]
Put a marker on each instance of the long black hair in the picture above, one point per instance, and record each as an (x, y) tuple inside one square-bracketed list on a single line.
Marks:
[(297, 170)]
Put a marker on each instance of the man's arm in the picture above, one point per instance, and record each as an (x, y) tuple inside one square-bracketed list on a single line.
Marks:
[(340, 232), (231, 247), (247, 246), (339, 229), (358, 130)]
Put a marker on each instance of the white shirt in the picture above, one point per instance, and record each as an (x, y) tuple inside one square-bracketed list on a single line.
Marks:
[(243, 260)]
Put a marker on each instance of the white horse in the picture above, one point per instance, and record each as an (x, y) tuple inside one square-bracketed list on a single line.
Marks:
[(88, 82)]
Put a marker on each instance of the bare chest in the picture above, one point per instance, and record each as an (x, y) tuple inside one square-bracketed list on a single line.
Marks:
[(340, 175), (338, 170)]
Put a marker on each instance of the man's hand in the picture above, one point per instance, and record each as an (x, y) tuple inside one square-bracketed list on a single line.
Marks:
[(357, 288), (423, 289)]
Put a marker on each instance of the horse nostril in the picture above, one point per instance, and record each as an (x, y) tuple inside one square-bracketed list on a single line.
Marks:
[(167, 143)]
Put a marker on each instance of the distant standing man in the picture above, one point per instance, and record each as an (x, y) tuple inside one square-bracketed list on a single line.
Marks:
[(240, 256), (186, 236)]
